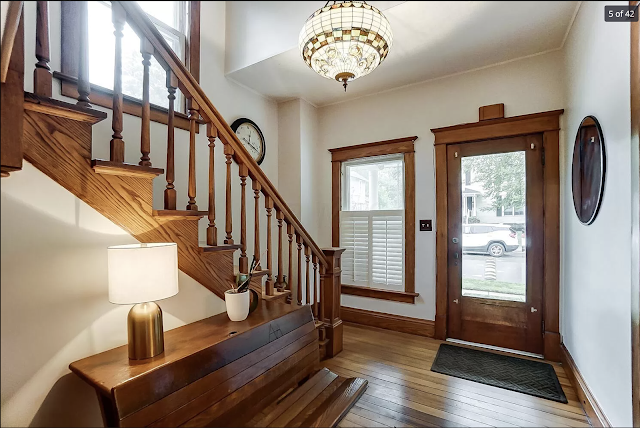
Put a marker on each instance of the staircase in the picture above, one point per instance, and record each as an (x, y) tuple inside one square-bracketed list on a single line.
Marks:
[(57, 139)]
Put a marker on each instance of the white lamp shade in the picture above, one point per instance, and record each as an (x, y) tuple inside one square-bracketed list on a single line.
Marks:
[(141, 273)]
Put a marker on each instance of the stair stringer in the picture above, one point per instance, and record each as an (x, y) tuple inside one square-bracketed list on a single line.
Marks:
[(60, 147)]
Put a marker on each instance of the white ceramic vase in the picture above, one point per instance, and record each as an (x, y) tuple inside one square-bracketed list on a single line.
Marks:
[(237, 305)]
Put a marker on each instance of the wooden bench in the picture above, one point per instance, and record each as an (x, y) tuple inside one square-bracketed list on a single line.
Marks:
[(259, 372)]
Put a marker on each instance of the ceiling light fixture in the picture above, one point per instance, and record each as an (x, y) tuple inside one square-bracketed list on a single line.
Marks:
[(345, 40)]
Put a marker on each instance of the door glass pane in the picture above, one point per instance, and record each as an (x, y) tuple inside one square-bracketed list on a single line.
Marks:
[(494, 226)]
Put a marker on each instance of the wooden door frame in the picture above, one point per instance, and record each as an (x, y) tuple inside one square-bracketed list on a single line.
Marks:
[(547, 124)]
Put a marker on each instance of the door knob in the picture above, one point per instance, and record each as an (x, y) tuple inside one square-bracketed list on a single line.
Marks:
[(455, 301), (454, 240), (533, 309)]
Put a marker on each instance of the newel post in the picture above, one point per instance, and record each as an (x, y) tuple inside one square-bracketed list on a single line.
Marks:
[(330, 299)]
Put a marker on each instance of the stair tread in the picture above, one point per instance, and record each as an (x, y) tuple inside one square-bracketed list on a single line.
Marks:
[(277, 295), (338, 404), (60, 108), (322, 400), (212, 249), (276, 409), (295, 406), (179, 214), (318, 401), (124, 169)]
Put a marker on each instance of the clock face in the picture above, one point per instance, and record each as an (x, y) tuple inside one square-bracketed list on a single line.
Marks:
[(251, 138)]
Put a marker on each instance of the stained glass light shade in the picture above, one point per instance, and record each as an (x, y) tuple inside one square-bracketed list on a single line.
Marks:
[(345, 40)]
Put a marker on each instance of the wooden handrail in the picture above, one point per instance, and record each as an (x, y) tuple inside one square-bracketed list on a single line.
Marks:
[(163, 53), (14, 11)]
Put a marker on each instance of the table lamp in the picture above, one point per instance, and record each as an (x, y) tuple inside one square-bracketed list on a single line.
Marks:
[(141, 274)]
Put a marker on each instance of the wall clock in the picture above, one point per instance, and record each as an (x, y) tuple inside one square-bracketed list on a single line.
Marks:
[(588, 171), (251, 138)]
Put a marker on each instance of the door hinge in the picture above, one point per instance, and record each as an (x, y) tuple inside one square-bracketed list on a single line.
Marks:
[(543, 156), (543, 327)]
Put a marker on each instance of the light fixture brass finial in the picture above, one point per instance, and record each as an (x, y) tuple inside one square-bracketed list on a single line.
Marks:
[(344, 78)]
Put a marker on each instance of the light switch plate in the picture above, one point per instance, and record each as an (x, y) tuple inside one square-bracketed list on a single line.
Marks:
[(426, 225)]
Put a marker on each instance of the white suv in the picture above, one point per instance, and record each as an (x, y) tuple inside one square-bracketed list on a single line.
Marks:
[(492, 239)]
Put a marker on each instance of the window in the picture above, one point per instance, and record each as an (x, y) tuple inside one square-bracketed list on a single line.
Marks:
[(372, 222), (170, 17), (374, 219), (179, 24)]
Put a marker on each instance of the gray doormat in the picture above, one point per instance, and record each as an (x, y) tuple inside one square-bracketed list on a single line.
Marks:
[(517, 374)]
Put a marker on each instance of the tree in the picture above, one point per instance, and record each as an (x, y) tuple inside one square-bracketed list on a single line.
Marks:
[(502, 177)]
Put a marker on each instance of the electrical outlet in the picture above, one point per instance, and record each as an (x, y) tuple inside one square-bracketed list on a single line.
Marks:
[(426, 225)]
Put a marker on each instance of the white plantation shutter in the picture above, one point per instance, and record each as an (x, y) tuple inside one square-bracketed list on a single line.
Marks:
[(374, 248), (354, 231), (387, 249)]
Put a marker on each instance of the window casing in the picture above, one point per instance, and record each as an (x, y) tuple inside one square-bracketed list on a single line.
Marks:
[(373, 218)]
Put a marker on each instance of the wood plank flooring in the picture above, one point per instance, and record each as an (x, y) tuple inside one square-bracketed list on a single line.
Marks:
[(404, 392)]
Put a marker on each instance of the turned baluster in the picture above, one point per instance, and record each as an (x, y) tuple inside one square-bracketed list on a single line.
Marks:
[(322, 275), (146, 48), (212, 232), (84, 87), (228, 153), (42, 78), (255, 185), (117, 143), (299, 294), (290, 235), (307, 284), (170, 191), (193, 117), (315, 286), (280, 280), (243, 262), (268, 205)]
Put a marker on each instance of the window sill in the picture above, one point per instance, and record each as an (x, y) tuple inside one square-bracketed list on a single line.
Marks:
[(104, 98), (377, 293)]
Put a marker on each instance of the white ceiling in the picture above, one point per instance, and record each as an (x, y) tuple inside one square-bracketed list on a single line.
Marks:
[(430, 40)]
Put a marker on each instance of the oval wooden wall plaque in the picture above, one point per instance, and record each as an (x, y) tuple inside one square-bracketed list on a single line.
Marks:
[(588, 171)]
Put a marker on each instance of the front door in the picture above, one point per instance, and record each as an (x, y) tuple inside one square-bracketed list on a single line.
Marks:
[(495, 248)]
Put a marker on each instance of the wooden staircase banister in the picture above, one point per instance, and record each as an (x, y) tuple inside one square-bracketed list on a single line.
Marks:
[(14, 11), (143, 26)]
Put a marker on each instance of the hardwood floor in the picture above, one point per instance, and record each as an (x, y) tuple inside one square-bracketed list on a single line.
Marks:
[(403, 392)]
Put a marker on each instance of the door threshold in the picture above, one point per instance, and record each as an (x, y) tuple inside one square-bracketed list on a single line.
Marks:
[(496, 348)]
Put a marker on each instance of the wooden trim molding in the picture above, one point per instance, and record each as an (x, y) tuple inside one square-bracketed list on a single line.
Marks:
[(70, 36), (442, 298), (588, 401), (547, 124), (378, 293), (388, 147), (379, 148), (393, 322), (499, 128)]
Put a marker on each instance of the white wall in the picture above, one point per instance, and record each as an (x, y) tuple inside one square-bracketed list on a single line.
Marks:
[(596, 260), (55, 308), (524, 86), (55, 305), (289, 154)]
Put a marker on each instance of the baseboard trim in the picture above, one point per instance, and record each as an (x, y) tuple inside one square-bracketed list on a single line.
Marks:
[(588, 401), (399, 323)]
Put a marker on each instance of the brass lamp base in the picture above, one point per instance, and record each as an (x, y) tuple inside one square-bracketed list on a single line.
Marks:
[(146, 336)]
